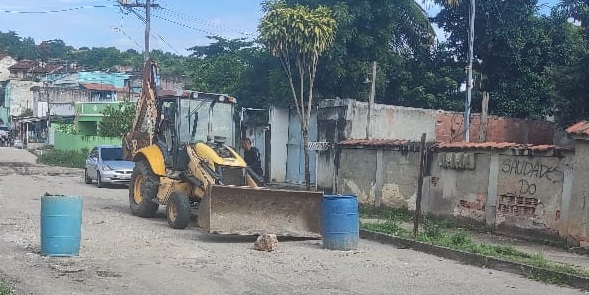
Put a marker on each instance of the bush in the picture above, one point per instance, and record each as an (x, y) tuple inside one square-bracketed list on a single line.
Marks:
[(73, 159)]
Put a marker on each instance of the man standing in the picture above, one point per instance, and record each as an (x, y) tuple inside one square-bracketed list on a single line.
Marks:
[(251, 155)]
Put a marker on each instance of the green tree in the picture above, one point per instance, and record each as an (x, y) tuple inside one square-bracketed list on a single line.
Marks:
[(513, 49), (17, 47), (240, 68), (116, 120), (570, 76), (53, 49), (384, 31), (298, 36)]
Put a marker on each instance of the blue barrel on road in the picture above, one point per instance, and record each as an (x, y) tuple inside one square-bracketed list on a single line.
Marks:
[(340, 224), (61, 223)]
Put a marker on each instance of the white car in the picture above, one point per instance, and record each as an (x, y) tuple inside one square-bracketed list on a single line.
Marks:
[(105, 164)]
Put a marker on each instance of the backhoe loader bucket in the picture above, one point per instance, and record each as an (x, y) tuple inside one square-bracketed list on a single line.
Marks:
[(251, 211)]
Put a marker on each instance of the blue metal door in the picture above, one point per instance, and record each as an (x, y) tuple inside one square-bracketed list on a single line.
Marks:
[(295, 163)]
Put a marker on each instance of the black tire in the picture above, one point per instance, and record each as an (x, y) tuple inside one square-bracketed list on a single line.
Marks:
[(87, 179), (99, 182), (146, 184), (178, 210)]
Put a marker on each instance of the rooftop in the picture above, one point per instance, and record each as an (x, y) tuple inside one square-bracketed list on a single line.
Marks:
[(581, 128)]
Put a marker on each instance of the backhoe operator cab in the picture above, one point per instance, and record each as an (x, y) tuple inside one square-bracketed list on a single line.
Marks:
[(192, 119)]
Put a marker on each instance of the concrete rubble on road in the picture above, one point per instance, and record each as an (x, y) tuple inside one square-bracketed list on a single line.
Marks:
[(266, 242)]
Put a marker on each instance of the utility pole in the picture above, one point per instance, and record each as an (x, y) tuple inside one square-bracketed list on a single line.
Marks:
[(148, 5), (371, 102), (469, 83)]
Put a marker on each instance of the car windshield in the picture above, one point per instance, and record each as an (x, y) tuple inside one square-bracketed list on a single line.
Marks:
[(111, 154)]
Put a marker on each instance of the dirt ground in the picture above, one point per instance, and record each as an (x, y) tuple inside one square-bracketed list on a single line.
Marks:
[(124, 254)]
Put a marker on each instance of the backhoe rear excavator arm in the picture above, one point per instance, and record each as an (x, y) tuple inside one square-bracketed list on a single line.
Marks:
[(143, 128)]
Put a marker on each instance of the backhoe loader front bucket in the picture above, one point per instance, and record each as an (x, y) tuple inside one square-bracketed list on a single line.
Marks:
[(252, 211)]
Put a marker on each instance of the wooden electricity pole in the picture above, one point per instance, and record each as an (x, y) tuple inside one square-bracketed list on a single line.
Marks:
[(148, 5)]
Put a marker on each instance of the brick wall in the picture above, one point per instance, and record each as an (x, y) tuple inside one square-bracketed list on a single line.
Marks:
[(450, 128)]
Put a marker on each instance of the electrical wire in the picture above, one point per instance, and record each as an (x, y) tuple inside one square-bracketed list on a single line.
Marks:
[(142, 18), (58, 10), (183, 16), (120, 29), (187, 26)]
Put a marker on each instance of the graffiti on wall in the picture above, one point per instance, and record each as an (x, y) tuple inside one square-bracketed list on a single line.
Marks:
[(528, 174)]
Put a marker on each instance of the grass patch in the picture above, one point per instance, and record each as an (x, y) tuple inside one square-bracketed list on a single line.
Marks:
[(72, 159), (5, 288), (436, 233), (395, 214)]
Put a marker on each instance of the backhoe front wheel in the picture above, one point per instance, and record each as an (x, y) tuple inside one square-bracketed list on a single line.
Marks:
[(178, 210), (143, 187)]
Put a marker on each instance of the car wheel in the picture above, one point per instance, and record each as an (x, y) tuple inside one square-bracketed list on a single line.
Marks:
[(99, 182), (87, 178)]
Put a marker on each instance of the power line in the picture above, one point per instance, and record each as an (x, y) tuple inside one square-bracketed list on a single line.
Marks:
[(202, 21), (120, 29), (142, 18), (187, 26), (58, 10)]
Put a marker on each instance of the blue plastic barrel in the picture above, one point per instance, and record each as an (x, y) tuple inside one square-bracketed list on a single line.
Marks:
[(61, 222), (340, 225)]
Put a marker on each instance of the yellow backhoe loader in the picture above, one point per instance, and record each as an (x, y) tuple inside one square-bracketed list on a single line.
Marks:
[(178, 142)]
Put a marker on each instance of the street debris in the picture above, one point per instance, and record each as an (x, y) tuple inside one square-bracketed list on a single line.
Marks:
[(266, 242)]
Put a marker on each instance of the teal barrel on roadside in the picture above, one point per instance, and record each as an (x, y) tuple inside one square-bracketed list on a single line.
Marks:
[(340, 224), (61, 223)]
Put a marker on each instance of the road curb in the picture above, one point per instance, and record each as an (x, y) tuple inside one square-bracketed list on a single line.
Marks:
[(477, 259)]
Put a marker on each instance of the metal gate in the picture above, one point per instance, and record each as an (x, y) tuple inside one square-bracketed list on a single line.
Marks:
[(295, 163)]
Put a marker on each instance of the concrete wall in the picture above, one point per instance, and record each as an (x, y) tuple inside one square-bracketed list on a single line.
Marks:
[(68, 142), (342, 119), (578, 213), (61, 95), (278, 120), (379, 176), (504, 189), (457, 192), (5, 63), (390, 122), (19, 96)]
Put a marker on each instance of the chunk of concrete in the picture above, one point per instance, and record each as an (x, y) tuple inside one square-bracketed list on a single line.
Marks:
[(266, 242)]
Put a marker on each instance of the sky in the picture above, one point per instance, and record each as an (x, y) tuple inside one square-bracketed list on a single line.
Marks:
[(177, 26)]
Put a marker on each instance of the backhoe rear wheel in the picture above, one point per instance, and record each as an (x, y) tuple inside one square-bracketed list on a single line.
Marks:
[(143, 187), (178, 210)]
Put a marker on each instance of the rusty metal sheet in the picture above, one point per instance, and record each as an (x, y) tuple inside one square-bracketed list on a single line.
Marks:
[(252, 211)]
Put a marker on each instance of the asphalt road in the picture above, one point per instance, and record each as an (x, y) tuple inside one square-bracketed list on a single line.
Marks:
[(124, 254)]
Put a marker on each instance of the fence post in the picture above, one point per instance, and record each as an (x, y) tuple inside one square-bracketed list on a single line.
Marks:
[(417, 214)]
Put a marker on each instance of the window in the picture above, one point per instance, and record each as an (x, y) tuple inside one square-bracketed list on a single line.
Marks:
[(111, 154)]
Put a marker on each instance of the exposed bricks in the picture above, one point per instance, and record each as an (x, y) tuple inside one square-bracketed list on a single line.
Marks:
[(450, 128)]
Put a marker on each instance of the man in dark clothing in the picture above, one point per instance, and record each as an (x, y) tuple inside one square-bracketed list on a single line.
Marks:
[(251, 155)]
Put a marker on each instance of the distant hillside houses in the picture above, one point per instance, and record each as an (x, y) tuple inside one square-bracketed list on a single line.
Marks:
[(40, 89)]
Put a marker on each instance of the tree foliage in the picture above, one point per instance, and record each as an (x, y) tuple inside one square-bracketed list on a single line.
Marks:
[(116, 120)]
